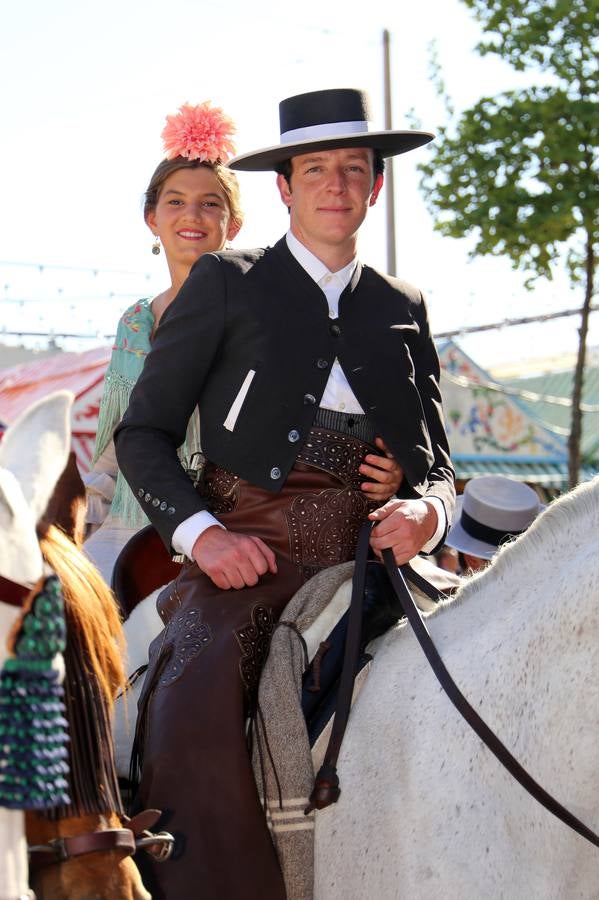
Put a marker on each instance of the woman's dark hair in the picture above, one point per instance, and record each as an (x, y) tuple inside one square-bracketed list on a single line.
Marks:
[(226, 178)]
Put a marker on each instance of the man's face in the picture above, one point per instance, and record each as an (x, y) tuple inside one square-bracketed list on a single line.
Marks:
[(329, 194)]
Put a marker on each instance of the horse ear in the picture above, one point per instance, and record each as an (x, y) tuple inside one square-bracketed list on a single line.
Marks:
[(35, 448)]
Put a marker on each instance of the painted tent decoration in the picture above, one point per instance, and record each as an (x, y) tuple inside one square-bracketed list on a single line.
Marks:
[(490, 430), (548, 396), (82, 373)]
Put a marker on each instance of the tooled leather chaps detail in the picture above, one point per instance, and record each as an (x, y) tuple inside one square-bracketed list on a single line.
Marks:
[(254, 641)]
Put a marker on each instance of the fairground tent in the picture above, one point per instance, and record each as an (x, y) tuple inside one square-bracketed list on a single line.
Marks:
[(82, 373), (492, 428)]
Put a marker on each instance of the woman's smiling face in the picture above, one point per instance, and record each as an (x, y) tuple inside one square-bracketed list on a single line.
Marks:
[(191, 216)]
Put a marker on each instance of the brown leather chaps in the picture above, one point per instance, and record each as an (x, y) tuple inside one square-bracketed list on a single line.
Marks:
[(204, 669)]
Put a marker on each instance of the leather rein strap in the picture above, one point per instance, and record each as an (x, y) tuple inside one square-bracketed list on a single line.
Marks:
[(466, 710), (326, 784), (63, 848), (134, 835)]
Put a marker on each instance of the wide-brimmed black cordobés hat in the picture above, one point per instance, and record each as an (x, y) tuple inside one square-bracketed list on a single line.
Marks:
[(325, 120)]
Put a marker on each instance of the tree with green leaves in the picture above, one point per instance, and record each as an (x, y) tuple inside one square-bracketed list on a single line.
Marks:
[(518, 171)]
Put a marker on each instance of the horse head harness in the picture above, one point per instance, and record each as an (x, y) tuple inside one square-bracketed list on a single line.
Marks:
[(135, 835), (326, 785)]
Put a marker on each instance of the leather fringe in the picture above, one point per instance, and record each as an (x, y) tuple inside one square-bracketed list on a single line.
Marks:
[(153, 674)]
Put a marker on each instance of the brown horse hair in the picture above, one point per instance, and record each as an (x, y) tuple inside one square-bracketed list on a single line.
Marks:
[(91, 607)]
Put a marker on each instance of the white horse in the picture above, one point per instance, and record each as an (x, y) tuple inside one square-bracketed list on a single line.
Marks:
[(426, 811), (33, 454)]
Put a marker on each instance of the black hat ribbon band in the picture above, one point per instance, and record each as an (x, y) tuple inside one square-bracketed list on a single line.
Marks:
[(485, 532)]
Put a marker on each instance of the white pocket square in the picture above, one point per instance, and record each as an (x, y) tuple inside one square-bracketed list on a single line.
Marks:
[(233, 413)]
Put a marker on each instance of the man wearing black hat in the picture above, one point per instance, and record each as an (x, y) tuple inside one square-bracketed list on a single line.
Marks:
[(297, 356)]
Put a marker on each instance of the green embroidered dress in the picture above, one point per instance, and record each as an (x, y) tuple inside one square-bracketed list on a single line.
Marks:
[(131, 346)]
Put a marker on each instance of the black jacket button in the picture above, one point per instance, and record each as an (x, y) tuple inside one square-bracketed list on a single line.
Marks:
[(293, 436), (275, 473), (322, 363), (309, 399), (335, 329)]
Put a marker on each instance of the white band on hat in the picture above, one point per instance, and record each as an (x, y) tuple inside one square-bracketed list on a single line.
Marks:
[(329, 129)]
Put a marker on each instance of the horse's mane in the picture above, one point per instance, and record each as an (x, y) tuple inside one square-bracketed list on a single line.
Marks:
[(91, 607), (564, 521)]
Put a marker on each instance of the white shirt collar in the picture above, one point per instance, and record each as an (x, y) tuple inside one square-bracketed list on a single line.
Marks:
[(315, 268)]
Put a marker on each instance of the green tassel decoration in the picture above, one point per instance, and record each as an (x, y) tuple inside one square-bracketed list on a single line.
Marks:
[(33, 727)]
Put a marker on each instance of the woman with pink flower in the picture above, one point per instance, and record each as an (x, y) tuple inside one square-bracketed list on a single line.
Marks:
[(192, 206)]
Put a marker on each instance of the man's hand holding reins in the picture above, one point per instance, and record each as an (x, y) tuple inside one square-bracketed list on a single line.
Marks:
[(232, 560), (404, 526)]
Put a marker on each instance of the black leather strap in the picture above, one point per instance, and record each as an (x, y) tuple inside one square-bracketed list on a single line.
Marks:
[(326, 784), (424, 586), (470, 715)]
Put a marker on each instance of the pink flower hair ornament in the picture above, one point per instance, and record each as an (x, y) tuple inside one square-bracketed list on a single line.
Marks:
[(199, 132)]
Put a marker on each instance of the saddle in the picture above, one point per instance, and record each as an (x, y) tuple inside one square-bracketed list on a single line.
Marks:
[(142, 566)]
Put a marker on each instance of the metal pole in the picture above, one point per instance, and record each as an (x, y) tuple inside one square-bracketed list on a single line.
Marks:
[(389, 185)]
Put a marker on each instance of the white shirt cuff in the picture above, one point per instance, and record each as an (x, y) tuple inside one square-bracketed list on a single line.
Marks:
[(437, 504), (188, 531)]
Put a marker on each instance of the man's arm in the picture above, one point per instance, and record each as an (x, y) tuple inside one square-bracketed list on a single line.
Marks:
[(411, 526), (165, 396), (155, 424)]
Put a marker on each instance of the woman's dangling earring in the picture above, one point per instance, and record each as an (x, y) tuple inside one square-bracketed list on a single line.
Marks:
[(156, 246)]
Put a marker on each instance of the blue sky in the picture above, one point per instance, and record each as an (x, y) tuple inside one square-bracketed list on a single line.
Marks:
[(86, 88)]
